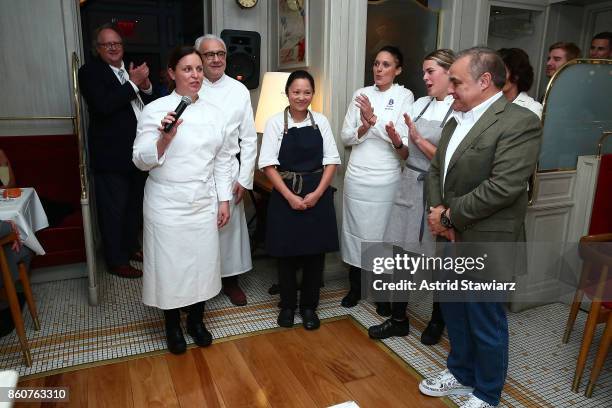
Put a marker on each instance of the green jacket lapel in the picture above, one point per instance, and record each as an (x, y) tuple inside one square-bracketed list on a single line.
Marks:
[(486, 120)]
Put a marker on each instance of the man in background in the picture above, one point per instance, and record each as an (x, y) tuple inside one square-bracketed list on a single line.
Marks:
[(601, 45), (115, 95), (558, 54), (235, 100)]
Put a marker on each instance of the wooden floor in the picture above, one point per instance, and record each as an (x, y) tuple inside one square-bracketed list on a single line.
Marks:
[(287, 368)]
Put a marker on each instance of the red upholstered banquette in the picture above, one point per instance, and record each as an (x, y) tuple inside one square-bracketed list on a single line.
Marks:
[(50, 164)]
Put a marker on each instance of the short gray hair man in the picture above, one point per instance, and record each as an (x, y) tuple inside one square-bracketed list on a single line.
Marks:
[(203, 38), (484, 59)]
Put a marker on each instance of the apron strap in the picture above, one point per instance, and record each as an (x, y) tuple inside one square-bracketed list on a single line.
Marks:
[(297, 178), (424, 109), (450, 110), (422, 177), (286, 121)]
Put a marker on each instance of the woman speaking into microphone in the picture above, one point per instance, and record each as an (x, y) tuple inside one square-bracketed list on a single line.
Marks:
[(186, 200)]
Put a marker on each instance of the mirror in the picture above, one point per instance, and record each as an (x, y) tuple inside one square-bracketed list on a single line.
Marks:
[(577, 110)]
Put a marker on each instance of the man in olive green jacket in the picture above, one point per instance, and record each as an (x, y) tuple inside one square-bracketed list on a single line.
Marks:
[(477, 193)]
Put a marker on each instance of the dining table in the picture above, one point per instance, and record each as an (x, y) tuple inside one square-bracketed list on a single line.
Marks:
[(28, 214)]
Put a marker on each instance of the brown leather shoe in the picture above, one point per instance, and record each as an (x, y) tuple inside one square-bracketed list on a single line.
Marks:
[(126, 271), (235, 294)]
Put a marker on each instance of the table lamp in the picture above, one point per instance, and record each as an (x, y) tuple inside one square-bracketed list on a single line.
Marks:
[(272, 98)]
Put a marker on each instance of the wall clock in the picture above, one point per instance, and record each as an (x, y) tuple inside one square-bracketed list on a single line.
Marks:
[(246, 3)]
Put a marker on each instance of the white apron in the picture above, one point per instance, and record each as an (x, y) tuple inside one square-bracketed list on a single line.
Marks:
[(371, 179), (180, 244), (234, 99), (181, 240), (234, 237)]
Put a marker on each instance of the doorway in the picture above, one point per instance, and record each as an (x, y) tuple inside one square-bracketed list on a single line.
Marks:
[(150, 29)]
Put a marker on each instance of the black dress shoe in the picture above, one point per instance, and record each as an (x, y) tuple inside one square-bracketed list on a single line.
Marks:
[(199, 334), (383, 309), (175, 340), (389, 328), (310, 320), (432, 333), (351, 299), (285, 318)]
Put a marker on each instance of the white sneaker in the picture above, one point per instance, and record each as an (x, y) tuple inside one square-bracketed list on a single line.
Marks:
[(475, 402), (442, 385)]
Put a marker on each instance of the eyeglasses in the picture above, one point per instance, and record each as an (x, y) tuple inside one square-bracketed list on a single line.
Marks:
[(211, 55), (110, 45)]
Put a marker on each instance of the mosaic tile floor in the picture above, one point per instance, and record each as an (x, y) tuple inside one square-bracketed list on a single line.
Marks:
[(540, 372)]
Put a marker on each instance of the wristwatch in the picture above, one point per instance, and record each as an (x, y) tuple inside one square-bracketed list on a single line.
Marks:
[(400, 145), (445, 221)]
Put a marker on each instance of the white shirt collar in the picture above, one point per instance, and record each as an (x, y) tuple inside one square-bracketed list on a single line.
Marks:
[(178, 97), (216, 83), (116, 70), (448, 100), (390, 88), (290, 117), (476, 112), (521, 97)]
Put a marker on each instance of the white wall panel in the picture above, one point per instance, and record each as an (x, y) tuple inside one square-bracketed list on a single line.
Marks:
[(37, 39)]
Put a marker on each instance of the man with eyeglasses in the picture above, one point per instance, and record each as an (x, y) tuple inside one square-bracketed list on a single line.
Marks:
[(235, 100), (115, 96)]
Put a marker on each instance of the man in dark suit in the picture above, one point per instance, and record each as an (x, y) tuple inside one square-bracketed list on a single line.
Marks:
[(477, 192), (115, 97)]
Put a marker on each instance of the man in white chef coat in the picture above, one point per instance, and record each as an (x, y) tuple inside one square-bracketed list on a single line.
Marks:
[(235, 101)]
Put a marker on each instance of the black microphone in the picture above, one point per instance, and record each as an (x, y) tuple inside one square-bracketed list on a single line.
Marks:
[(185, 101)]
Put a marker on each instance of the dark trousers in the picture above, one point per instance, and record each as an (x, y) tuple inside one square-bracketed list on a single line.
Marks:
[(398, 311), (312, 274), (119, 204), (478, 334), (355, 280), (195, 313)]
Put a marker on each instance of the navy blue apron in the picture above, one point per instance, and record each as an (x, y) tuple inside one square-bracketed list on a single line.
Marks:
[(312, 231)]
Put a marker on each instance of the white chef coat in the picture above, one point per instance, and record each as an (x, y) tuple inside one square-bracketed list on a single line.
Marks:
[(273, 138), (181, 241), (373, 170), (528, 102), (234, 99)]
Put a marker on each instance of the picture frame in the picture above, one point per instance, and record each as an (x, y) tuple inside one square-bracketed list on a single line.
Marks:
[(292, 32)]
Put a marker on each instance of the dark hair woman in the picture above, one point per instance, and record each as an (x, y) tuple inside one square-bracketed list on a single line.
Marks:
[(299, 156), (374, 167), (519, 78), (186, 200)]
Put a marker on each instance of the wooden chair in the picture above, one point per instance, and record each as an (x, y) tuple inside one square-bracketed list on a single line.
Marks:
[(595, 283), (11, 295)]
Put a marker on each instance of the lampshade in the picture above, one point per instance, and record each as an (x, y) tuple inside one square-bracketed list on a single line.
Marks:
[(272, 98)]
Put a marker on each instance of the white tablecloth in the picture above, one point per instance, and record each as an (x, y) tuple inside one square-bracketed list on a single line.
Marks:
[(28, 214)]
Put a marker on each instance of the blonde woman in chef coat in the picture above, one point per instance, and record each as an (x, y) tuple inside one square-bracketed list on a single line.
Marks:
[(373, 170), (186, 200)]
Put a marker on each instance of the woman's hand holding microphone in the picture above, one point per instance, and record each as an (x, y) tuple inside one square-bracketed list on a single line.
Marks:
[(166, 137)]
